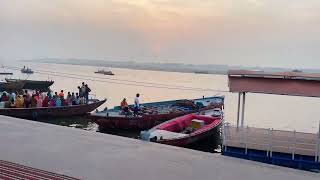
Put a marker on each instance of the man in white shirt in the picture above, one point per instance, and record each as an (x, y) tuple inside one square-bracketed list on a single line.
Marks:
[(136, 104)]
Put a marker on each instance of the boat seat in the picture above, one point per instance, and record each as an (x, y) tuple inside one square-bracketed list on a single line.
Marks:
[(166, 134)]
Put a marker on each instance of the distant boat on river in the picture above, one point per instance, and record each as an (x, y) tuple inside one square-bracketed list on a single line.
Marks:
[(102, 71), (26, 70), (4, 73)]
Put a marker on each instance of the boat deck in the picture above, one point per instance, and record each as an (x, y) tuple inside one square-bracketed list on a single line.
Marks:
[(91, 155)]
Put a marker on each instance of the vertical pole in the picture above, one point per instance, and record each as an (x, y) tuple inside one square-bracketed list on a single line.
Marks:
[(243, 108), (319, 143), (294, 144), (238, 117)]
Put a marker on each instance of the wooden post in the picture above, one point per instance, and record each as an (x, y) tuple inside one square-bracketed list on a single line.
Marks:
[(238, 117), (243, 108)]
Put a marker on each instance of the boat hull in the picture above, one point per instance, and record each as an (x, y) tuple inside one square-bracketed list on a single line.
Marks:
[(209, 131), (11, 86), (145, 121), (65, 111), (213, 133), (137, 123), (33, 84)]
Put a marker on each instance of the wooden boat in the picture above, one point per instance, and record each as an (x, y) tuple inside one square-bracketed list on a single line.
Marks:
[(64, 111), (26, 70), (4, 73), (154, 113), (11, 86), (104, 72), (180, 132), (33, 84)]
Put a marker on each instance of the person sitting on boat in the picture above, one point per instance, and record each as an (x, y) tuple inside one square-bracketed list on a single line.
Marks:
[(12, 96), (39, 102), (27, 99), (64, 102), (77, 100), (45, 101), (61, 94), (37, 95), (19, 101), (58, 102), (33, 101), (12, 103), (49, 96), (4, 97), (69, 101), (136, 105), (124, 106), (52, 102)]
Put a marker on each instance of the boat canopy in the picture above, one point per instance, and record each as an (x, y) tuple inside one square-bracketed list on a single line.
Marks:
[(281, 83)]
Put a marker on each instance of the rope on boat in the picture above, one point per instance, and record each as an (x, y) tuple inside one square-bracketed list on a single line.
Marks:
[(124, 82)]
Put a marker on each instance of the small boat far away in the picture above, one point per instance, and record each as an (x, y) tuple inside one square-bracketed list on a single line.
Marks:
[(33, 84), (26, 70), (185, 130), (104, 72), (154, 113), (5, 73)]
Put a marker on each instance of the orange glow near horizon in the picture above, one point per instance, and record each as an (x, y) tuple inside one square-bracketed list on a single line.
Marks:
[(167, 28)]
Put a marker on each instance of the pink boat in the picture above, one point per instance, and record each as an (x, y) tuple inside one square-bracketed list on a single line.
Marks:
[(179, 131)]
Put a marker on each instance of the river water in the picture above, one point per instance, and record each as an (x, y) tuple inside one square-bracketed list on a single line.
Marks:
[(267, 111)]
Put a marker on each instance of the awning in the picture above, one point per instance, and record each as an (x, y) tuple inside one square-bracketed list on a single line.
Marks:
[(282, 83)]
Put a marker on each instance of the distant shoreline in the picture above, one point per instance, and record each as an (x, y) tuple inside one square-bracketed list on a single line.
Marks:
[(213, 69), (136, 67)]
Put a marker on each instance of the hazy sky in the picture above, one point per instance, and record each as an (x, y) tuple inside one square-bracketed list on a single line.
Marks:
[(246, 32)]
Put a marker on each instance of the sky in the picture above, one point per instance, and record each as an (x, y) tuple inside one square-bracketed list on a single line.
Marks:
[(277, 33)]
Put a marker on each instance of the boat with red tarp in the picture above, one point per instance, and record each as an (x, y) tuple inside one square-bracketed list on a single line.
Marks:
[(185, 130), (63, 111), (154, 113)]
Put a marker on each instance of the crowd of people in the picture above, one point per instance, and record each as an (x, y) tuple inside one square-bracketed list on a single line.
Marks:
[(46, 99)]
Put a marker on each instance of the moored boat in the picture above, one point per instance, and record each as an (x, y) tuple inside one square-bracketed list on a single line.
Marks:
[(185, 130), (11, 86), (4, 73), (64, 111), (33, 84), (153, 114)]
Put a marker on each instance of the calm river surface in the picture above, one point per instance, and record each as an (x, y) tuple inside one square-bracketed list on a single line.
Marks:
[(268, 111)]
